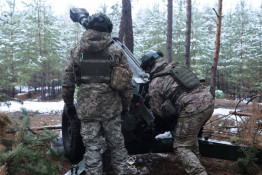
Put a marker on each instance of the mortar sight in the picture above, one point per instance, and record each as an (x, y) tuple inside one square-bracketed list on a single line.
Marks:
[(79, 15)]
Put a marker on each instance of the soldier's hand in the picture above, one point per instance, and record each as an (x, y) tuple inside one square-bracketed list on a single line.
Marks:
[(70, 111), (124, 112)]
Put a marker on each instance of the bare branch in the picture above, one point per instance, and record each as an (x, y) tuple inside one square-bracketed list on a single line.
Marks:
[(259, 95), (216, 12)]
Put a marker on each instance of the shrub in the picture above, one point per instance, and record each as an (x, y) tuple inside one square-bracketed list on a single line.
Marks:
[(244, 163), (219, 94), (26, 153)]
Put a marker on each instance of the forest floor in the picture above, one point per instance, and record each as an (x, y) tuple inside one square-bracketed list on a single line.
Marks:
[(151, 163)]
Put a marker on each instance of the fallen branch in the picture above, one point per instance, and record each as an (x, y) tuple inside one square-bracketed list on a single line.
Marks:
[(46, 128), (12, 131), (259, 95), (241, 113)]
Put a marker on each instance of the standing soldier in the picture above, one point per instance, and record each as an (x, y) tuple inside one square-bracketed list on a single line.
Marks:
[(103, 75), (176, 92)]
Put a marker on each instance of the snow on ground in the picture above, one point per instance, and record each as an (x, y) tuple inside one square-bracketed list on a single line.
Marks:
[(222, 111), (57, 107), (31, 106), (27, 89), (225, 112), (217, 111)]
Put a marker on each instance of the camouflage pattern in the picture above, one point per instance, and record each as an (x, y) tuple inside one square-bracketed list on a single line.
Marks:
[(96, 101), (194, 109), (98, 105), (94, 143), (185, 139)]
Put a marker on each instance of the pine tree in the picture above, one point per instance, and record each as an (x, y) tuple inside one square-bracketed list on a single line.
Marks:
[(150, 31)]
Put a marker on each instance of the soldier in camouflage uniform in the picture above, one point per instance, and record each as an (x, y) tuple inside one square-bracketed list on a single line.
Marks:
[(193, 109), (99, 106)]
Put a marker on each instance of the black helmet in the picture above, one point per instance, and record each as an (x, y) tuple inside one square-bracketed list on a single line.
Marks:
[(100, 22), (149, 59)]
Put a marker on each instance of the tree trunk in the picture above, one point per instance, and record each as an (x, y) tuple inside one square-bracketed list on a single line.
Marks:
[(121, 28), (169, 31), (12, 5), (188, 34), (126, 28), (217, 46)]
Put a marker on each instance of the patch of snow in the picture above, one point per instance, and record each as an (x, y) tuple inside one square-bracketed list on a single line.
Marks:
[(162, 155), (19, 94), (222, 111), (24, 88), (225, 112), (164, 136), (217, 141), (31, 106)]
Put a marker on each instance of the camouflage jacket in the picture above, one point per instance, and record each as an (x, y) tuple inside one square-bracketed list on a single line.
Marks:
[(162, 88), (96, 101)]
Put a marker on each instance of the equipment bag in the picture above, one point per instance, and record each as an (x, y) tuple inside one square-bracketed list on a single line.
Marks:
[(120, 78), (182, 75)]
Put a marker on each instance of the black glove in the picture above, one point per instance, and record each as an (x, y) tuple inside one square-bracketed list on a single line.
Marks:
[(70, 111), (124, 112)]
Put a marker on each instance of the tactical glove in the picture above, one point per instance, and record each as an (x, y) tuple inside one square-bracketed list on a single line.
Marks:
[(70, 111), (124, 112)]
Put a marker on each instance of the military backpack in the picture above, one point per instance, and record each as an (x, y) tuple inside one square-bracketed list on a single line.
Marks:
[(187, 82), (182, 75)]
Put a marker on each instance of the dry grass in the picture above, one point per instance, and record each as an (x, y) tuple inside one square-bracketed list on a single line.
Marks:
[(5, 121), (251, 127), (247, 128)]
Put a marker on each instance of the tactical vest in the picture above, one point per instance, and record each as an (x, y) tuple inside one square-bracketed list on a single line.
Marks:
[(95, 67), (186, 79)]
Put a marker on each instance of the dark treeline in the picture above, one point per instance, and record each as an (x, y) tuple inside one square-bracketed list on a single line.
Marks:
[(35, 44)]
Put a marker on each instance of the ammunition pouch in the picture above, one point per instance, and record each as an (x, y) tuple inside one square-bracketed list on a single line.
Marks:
[(168, 109), (179, 90), (120, 78)]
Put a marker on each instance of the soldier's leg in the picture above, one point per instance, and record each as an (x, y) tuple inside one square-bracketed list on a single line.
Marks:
[(115, 141), (185, 140), (195, 149), (185, 137), (205, 116), (93, 141)]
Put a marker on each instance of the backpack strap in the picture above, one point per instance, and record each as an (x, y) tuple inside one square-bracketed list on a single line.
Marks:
[(161, 73), (186, 79)]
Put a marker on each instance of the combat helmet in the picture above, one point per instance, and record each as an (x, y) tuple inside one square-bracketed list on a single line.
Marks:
[(100, 22), (149, 59)]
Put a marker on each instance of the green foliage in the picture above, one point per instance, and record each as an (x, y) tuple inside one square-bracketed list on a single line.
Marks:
[(76, 92), (244, 163), (219, 94), (35, 44), (7, 142), (150, 31), (56, 154), (26, 154), (236, 140)]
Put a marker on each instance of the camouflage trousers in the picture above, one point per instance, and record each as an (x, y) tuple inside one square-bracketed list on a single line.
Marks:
[(186, 143), (94, 135)]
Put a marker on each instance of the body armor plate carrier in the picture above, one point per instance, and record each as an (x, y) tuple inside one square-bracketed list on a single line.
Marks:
[(95, 67)]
